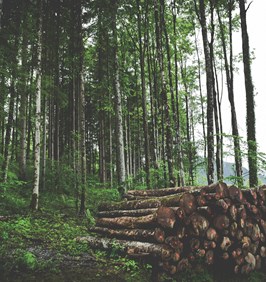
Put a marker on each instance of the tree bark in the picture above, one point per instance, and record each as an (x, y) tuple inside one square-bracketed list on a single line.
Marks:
[(35, 192), (250, 103), (120, 154), (131, 248), (145, 235), (209, 86)]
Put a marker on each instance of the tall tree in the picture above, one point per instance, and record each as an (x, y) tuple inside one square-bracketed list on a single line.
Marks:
[(37, 149), (144, 98), (120, 153), (201, 13), (229, 71), (250, 103)]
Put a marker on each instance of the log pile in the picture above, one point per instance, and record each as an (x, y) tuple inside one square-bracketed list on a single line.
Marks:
[(221, 225)]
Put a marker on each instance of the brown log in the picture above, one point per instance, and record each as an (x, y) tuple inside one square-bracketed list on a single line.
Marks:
[(154, 235), (250, 195), (167, 201), (226, 243), (205, 211), (209, 245), (188, 203), (236, 194), (262, 193), (201, 201), (180, 213), (220, 190), (160, 192), (199, 224), (221, 222), (147, 221), (233, 212), (251, 260), (175, 243), (164, 216), (116, 213), (212, 234), (132, 248)]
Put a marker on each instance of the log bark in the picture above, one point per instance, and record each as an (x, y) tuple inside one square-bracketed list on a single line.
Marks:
[(144, 235), (131, 248), (164, 216), (131, 194), (167, 201), (116, 213)]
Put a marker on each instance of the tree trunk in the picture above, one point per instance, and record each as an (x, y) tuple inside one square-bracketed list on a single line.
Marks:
[(159, 15), (131, 248), (120, 154), (230, 89), (145, 235), (250, 103), (144, 100), (35, 192), (209, 86)]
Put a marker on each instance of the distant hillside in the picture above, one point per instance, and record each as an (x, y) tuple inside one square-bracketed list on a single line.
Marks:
[(229, 173)]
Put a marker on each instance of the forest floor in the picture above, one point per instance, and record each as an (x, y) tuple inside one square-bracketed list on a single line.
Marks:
[(41, 246)]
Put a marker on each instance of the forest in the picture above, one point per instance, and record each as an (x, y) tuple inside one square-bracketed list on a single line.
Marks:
[(100, 98)]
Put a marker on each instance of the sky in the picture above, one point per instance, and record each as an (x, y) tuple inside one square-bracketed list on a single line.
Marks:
[(256, 22)]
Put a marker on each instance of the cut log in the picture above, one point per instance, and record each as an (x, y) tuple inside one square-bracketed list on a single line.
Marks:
[(164, 216), (175, 243), (167, 201), (219, 190), (147, 221), (262, 193), (188, 203), (131, 248), (199, 224), (236, 194), (116, 213), (144, 235), (161, 192), (212, 234), (221, 222)]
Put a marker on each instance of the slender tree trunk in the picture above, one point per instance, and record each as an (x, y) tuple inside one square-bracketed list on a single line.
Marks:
[(120, 154), (209, 86), (35, 192), (250, 103), (9, 125), (23, 105), (181, 174), (201, 102), (144, 101), (169, 139)]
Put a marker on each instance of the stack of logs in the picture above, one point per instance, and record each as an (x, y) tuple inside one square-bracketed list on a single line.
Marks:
[(221, 225)]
